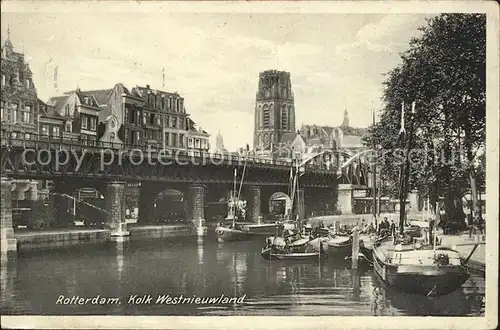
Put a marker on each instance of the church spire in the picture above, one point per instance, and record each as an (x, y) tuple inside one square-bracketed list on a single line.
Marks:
[(345, 123), (8, 43), (219, 142)]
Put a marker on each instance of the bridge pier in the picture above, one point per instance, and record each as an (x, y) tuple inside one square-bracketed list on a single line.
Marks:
[(195, 209), (344, 198), (60, 204), (8, 241), (145, 205), (253, 208), (115, 205)]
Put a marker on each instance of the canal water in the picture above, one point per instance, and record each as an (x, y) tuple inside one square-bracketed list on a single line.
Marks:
[(37, 280)]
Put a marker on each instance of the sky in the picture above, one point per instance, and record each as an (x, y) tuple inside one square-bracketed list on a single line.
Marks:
[(336, 61)]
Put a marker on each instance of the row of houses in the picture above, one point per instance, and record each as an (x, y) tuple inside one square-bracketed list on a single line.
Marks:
[(139, 116)]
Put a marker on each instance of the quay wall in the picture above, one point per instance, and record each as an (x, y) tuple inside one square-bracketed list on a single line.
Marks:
[(54, 238), (159, 231), (32, 240), (350, 219)]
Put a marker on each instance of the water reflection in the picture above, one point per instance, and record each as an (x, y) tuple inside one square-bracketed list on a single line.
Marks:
[(190, 266)]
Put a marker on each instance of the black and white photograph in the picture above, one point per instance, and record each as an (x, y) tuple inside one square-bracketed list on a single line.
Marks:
[(249, 164)]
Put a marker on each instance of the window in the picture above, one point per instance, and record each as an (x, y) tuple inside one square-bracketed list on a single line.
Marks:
[(174, 122), (2, 107), (167, 139), (84, 122), (158, 120), (197, 143), (25, 117), (69, 127), (174, 140), (45, 130), (28, 83), (93, 123), (144, 118), (91, 140), (137, 117), (190, 142), (55, 131), (152, 119), (181, 140), (66, 110), (27, 136)]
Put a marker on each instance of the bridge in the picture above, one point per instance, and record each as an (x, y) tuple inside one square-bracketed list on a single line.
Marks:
[(326, 179)]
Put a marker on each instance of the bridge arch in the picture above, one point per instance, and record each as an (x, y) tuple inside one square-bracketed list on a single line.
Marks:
[(169, 206), (279, 203)]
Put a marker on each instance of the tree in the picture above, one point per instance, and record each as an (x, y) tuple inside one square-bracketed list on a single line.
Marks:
[(444, 71)]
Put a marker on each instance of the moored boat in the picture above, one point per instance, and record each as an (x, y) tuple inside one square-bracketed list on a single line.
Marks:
[(339, 246), (423, 271), (269, 254), (227, 234)]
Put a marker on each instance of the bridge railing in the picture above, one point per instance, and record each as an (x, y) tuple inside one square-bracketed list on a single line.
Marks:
[(22, 139)]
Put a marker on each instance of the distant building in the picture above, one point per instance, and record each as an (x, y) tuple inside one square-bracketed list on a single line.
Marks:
[(19, 107), (219, 144), (197, 138), (344, 137)]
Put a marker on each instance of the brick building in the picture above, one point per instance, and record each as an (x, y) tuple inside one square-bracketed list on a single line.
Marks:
[(19, 108)]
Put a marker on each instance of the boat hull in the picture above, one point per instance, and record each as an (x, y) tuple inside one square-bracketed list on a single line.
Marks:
[(428, 280), (271, 254), (340, 249), (231, 235), (264, 229)]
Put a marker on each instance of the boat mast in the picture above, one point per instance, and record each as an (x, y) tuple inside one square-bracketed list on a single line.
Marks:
[(233, 196), (374, 176), (405, 170)]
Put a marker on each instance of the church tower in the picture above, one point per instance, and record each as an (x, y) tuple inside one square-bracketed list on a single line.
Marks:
[(219, 142), (345, 123), (274, 108)]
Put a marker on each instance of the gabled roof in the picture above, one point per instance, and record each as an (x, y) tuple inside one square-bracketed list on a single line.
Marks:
[(57, 102), (48, 111), (101, 95), (288, 137), (83, 96)]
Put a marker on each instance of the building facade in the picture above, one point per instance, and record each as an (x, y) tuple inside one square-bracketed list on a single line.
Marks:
[(80, 112), (51, 124), (19, 107), (147, 116), (197, 138), (274, 110), (344, 137)]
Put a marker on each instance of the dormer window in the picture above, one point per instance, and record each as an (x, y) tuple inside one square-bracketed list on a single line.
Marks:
[(66, 110)]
